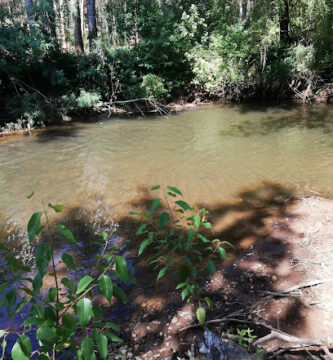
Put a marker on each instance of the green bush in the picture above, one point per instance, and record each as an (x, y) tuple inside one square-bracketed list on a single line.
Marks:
[(175, 239), (153, 87), (65, 318)]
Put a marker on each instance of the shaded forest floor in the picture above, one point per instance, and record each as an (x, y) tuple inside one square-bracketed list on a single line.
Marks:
[(279, 279)]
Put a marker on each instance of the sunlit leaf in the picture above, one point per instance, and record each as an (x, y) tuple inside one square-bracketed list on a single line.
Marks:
[(106, 287), (46, 335), (83, 284), (156, 187), (144, 245), (201, 315), (222, 253), (84, 311), (161, 273), (102, 345), (66, 233), (56, 208)]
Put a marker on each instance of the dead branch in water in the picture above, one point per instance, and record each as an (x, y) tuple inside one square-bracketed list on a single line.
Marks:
[(151, 104)]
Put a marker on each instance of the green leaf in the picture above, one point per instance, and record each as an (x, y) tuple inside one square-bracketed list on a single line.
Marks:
[(207, 225), (179, 286), (37, 283), (143, 245), (34, 225), (106, 287), (69, 261), (201, 315), (121, 268), (164, 219), (190, 234), (161, 273), (3, 287), (43, 356), (175, 190), (11, 299), (87, 348), (133, 213), (196, 220), (155, 204), (52, 294), (112, 326), (119, 294), (209, 303), (84, 311), (211, 267), (222, 253), (183, 205), (30, 195), (25, 344), (46, 335), (203, 238), (69, 284), (43, 257), (141, 228), (112, 337), (102, 345), (156, 187), (83, 284), (66, 233), (56, 208), (2, 333), (68, 322), (184, 293), (17, 352)]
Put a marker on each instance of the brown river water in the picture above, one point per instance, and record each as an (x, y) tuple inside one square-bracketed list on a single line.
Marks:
[(211, 154)]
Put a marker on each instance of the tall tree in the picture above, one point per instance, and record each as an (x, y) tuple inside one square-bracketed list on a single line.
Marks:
[(76, 15), (92, 27), (284, 23)]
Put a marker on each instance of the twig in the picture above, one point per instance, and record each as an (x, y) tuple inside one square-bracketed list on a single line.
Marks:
[(284, 293)]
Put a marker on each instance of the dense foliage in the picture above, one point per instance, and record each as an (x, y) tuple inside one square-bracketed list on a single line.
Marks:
[(58, 56)]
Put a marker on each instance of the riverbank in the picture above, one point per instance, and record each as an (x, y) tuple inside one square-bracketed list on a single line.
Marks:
[(278, 283), (135, 108)]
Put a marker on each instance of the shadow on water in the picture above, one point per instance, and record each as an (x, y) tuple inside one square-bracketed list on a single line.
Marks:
[(57, 133), (303, 117), (247, 223)]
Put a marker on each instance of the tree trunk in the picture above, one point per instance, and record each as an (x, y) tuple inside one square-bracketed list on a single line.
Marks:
[(61, 13), (91, 13), (28, 6), (52, 19), (164, 8), (284, 23), (78, 41)]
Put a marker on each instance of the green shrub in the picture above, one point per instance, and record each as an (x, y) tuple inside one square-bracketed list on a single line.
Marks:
[(175, 239), (153, 87), (62, 319)]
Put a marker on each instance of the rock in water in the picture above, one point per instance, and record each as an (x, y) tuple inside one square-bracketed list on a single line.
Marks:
[(217, 349)]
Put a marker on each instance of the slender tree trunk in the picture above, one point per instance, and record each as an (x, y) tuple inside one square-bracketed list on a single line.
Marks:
[(164, 8), (76, 15), (28, 6), (241, 10), (52, 19), (91, 13), (62, 31), (284, 23)]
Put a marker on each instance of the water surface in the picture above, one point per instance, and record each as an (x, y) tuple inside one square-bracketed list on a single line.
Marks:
[(210, 153)]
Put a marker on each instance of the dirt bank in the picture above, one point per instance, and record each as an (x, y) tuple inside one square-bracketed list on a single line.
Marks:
[(279, 283)]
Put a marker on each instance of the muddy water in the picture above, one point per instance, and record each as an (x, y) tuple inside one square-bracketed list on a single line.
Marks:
[(210, 153), (98, 169)]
